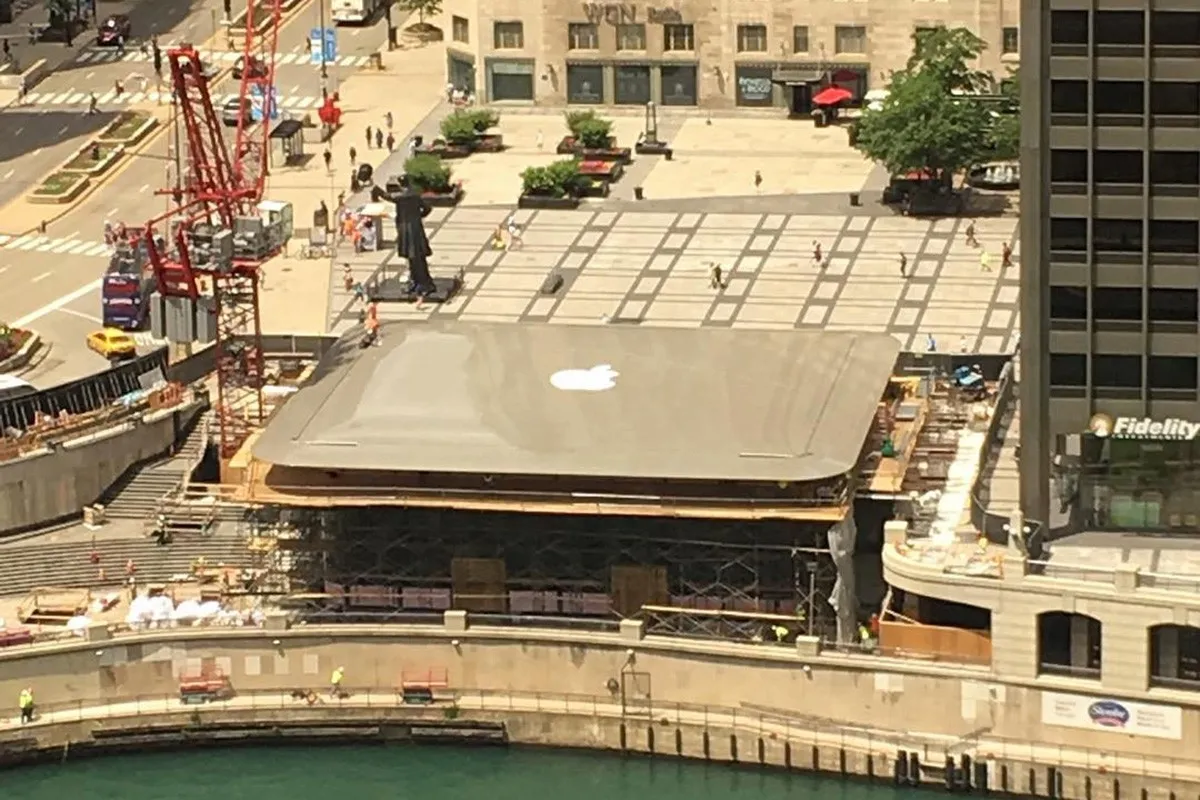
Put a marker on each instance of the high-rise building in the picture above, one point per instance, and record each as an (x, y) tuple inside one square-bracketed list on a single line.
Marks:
[(1110, 248)]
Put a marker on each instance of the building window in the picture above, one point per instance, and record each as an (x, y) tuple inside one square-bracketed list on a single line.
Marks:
[(583, 36), (1068, 166), (631, 36), (1010, 41), (1119, 97), (800, 39), (1173, 98), (1119, 27), (850, 39), (678, 84), (1174, 236), (510, 80), (509, 36), (1117, 235), (1175, 28), (752, 38), (632, 84), (1068, 27), (460, 29), (1117, 304), (1174, 168), (1117, 166), (1174, 305), (1068, 369), (1175, 654), (1171, 372), (1068, 97), (1117, 371), (1068, 302), (679, 38), (585, 84), (1069, 644), (1068, 234)]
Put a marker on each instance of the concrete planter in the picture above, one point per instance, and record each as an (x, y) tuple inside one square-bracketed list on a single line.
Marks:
[(98, 167), (21, 358), (139, 133), (544, 202), (444, 200), (47, 193)]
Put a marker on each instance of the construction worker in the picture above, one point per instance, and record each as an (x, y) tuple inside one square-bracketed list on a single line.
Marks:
[(25, 701), (335, 682), (780, 632)]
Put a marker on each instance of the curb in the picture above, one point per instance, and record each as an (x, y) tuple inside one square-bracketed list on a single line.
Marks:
[(22, 357)]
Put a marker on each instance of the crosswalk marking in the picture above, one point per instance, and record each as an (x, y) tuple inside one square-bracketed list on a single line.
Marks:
[(132, 98), (46, 244), (110, 55)]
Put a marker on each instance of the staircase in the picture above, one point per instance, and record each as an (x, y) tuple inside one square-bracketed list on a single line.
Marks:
[(139, 492)]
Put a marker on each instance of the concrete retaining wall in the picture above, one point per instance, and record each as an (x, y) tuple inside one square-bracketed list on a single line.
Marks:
[(56, 482)]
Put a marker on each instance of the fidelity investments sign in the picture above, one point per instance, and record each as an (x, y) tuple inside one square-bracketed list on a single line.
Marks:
[(1104, 426)]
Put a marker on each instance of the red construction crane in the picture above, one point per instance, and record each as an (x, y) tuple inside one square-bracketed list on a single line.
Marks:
[(210, 247)]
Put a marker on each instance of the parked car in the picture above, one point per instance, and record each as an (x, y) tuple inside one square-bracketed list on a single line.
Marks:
[(257, 68), (113, 344), (115, 29), (235, 110)]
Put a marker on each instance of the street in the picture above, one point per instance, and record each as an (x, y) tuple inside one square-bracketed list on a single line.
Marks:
[(52, 281)]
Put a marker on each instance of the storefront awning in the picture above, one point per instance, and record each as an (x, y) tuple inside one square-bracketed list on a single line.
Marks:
[(795, 77)]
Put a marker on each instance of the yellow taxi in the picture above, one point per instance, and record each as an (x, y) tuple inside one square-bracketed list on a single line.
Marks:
[(112, 343)]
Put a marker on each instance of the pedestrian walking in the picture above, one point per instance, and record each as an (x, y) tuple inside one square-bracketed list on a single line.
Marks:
[(515, 238), (412, 146), (962, 344), (1006, 255), (379, 140), (541, 139), (716, 279), (92, 101), (971, 240), (985, 262), (353, 156), (816, 246), (347, 277), (335, 682), (387, 118), (120, 46), (118, 88), (930, 343), (328, 156), (903, 266), (370, 138), (391, 142), (25, 703), (7, 51), (757, 180)]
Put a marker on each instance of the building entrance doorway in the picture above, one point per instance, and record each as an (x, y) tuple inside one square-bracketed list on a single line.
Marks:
[(800, 102)]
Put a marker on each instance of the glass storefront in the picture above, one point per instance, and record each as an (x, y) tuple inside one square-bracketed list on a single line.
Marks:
[(510, 80), (679, 85), (585, 84), (1140, 484), (754, 87), (632, 84), (460, 72)]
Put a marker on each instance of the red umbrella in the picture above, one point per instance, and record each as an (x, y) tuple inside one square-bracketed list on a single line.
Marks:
[(831, 96)]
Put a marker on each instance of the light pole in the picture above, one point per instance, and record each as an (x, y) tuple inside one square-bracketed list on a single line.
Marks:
[(324, 66)]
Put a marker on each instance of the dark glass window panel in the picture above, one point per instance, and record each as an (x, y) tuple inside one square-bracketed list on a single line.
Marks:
[(1171, 372), (1118, 27), (1117, 371), (1118, 97), (679, 85), (1068, 97), (1174, 98), (1068, 234), (1174, 236), (632, 84), (1068, 369), (1175, 167), (585, 83), (1069, 166), (1117, 166), (1173, 27), (1068, 302), (1117, 235), (1068, 27), (1174, 305), (1117, 304)]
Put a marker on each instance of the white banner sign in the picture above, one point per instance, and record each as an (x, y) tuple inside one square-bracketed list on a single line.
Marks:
[(1117, 716)]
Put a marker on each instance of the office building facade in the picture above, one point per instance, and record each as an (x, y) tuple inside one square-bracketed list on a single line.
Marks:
[(1110, 204), (721, 54)]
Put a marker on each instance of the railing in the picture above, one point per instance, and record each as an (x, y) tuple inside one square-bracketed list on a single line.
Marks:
[(1168, 583), (1072, 572), (781, 725), (987, 523)]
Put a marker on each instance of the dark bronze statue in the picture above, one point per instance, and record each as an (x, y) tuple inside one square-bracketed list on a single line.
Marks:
[(411, 241)]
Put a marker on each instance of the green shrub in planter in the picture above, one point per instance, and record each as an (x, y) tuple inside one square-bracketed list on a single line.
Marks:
[(576, 119), (458, 128), (560, 179), (595, 133), (482, 119), (428, 173)]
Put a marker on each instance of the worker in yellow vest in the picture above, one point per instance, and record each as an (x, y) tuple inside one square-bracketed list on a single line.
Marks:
[(26, 704), (335, 682)]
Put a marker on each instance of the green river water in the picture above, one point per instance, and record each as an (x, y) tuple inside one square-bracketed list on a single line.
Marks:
[(415, 773)]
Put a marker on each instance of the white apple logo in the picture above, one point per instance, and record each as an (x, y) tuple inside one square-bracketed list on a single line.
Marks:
[(596, 379)]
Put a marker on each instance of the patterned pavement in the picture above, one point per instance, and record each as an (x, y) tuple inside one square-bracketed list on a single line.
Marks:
[(654, 268)]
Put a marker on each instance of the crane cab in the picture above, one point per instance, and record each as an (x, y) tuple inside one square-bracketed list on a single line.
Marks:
[(278, 221)]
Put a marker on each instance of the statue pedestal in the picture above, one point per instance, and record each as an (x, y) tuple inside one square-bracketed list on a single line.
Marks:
[(395, 290)]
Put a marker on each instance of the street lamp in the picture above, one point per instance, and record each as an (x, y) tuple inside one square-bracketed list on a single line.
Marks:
[(324, 66)]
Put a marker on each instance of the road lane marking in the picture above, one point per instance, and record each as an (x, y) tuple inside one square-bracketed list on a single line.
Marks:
[(19, 241), (3, 270), (145, 188), (63, 245), (42, 277), (81, 315), (9, 174), (55, 305), (44, 246), (90, 75), (112, 213)]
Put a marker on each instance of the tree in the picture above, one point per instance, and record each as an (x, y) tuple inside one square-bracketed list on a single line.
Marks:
[(947, 54), (63, 14), (422, 8), (1006, 125)]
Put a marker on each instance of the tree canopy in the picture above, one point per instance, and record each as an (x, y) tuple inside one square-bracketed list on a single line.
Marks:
[(934, 119)]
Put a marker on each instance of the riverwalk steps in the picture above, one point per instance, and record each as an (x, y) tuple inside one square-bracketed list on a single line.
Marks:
[(711, 734)]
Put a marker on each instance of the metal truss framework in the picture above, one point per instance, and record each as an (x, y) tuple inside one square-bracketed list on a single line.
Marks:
[(778, 567)]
